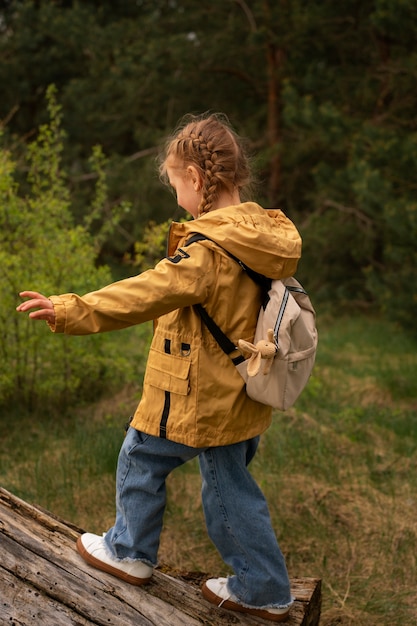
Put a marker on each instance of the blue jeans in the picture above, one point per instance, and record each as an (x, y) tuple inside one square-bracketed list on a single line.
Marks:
[(237, 516)]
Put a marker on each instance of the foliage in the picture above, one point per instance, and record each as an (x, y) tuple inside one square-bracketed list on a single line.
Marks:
[(41, 249), (152, 247), (354, 150), (324, 91)]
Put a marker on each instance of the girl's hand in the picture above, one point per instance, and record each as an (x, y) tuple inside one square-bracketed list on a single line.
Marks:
[(45, 308)]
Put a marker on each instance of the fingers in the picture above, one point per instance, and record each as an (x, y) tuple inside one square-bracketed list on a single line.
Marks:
[(31, 294), (36, 300), (45, 308), (35, 303), (43, 314)]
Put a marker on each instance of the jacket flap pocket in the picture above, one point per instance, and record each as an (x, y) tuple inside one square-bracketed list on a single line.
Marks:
[(168, 372)]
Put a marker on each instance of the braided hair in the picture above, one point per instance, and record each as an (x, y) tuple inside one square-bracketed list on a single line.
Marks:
[(209, 143)]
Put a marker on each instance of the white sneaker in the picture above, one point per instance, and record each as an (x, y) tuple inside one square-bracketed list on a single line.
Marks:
[(215, 591), (93, 550)]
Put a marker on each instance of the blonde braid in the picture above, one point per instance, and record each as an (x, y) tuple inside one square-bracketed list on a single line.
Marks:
[(208, 164)]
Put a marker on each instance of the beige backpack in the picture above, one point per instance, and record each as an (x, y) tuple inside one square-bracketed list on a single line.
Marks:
[(284, 349)]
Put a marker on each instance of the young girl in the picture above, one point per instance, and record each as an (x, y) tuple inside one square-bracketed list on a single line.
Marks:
[(194, 401)]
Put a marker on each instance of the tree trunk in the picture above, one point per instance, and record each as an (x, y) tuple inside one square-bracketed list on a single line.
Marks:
[(275, 58), (45, 582)]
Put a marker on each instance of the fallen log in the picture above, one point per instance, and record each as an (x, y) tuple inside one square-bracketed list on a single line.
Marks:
[(44, 582)]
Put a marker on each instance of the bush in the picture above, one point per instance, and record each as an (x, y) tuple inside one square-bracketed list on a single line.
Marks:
[(41, 249)]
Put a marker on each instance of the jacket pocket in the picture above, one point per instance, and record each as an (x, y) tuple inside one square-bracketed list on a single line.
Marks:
[(168, 372)]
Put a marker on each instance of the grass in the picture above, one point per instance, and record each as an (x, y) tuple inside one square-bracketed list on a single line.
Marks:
[(338, 470)]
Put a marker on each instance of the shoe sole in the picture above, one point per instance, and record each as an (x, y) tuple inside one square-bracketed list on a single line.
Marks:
[(109, 569), (233, 606)]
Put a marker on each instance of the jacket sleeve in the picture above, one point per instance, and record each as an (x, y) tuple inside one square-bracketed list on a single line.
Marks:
[(175, 282)]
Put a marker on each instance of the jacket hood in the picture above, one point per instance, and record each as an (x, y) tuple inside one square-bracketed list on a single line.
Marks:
[(264, 239)]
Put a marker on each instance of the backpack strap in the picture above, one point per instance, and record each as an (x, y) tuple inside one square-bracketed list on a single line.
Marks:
[(195, 237), (223, 340)]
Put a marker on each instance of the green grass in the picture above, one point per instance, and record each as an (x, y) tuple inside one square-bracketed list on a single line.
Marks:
[(338, 470)]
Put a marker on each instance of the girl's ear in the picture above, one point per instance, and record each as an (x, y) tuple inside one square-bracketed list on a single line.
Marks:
[(195, 176)]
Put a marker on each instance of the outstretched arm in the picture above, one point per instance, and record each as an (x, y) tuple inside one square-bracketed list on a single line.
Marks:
[(174, 283), (44, 309)]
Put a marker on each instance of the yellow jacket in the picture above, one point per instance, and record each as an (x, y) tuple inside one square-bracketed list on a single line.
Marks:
[(192, 392)]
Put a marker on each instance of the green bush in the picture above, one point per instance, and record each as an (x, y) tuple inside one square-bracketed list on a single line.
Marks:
[(41, 249)]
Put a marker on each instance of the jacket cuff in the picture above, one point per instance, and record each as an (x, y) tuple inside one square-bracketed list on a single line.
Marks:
[(60, 315)]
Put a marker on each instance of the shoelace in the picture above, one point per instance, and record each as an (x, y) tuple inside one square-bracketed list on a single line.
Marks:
[(229, 597)]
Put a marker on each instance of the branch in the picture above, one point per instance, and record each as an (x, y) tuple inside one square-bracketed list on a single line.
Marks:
[(248, 14), (137, 155), (9, 116), (362, 217)]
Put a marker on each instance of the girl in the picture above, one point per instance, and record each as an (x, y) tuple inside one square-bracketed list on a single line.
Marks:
[(194, 401)]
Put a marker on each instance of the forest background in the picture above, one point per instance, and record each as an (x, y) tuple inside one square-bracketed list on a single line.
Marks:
[(325, 95)]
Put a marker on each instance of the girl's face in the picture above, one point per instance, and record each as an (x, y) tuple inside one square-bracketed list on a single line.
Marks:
[(187, 185)]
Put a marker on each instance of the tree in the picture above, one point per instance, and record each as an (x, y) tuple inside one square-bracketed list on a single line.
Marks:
[(354, 153)]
